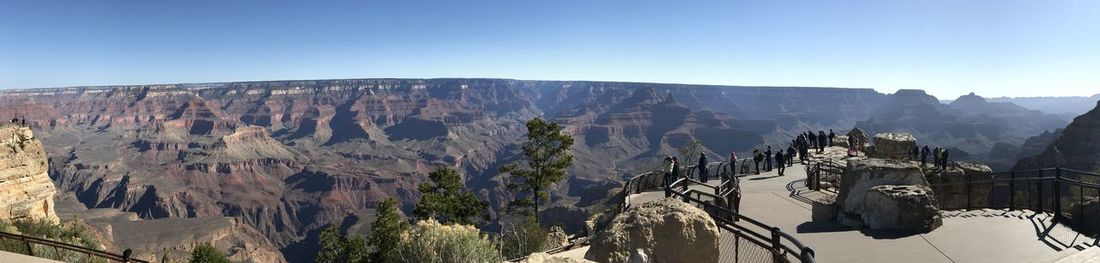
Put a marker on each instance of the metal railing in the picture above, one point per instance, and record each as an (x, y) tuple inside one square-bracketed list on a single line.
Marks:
[(742, 239), (1060, 191), (45, 248), (750, 243), (824, 176)]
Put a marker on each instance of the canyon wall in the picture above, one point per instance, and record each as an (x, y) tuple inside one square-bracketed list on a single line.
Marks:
[(286, 158)]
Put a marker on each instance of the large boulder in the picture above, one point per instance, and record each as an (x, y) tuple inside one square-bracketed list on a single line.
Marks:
[(897, 146), (863, 174), (951, 185), (910, 208), (824, 209), (666, 231)]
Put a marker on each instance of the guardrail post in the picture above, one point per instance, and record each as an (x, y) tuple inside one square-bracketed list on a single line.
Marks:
[(1011, 190), (30, 250), (807, 255), (1057, 209), (776, 247), (1040, 196), (969, 206)]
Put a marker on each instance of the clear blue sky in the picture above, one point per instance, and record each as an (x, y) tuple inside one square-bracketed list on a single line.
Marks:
[(948, 47)]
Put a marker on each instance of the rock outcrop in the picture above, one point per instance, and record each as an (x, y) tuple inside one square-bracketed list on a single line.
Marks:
[(863, 174), (910, 208), (951, 184), (664, 231), (25, 187), (897, 146)]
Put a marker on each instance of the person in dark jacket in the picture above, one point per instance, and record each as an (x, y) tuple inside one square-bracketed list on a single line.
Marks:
[(813, 140), (946, 157), (831, 137), (821, 141), (779, 159), (756, 158), (703, 176), (924, 156), (790, 155), (768, 159)]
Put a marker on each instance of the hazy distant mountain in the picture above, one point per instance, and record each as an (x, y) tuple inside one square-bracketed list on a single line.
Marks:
[(1067, 107), (1077, 148), (970, 123)]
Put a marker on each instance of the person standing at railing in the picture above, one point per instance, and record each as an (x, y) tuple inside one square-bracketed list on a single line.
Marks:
[(790, 155), (733, 165), (756, 158), (675, 169), (669, 167), (768, 159), (703, 176), (779, 158)]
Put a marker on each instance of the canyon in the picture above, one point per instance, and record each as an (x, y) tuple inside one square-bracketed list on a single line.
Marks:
[(260, 167)]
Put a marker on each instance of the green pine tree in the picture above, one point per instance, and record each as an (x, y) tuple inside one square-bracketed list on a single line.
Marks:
[(332, 245), (547, 154), (206, 253), (386, 231), (443, 200)]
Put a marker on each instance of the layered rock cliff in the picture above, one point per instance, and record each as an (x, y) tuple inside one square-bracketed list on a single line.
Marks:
[(970, 124), (25, 189), (1077, 148), (286, 158)]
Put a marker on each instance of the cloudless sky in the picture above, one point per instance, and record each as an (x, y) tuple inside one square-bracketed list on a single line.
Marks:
[(947, 47)]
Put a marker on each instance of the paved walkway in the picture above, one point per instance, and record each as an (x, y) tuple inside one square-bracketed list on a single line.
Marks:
[(15, 257), (966, 236)]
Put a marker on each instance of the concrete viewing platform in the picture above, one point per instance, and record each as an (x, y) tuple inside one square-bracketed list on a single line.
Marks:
[(986, 235)]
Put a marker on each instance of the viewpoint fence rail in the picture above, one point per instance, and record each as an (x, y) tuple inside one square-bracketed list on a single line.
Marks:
[(1065, 193), (742, 239), (50, 249)]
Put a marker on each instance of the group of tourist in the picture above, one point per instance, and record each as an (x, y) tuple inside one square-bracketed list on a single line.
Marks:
[(940, 156), (777, 161), (673, 172)]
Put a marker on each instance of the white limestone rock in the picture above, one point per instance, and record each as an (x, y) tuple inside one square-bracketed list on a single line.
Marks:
[(897, 146), (666, 231), (910, 208), (26, 190), (863, 174)]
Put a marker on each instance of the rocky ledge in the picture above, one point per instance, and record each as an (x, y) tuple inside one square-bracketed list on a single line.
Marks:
[(25, 188)]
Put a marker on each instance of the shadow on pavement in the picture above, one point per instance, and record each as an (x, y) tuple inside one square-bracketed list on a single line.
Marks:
[(821, 227)]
